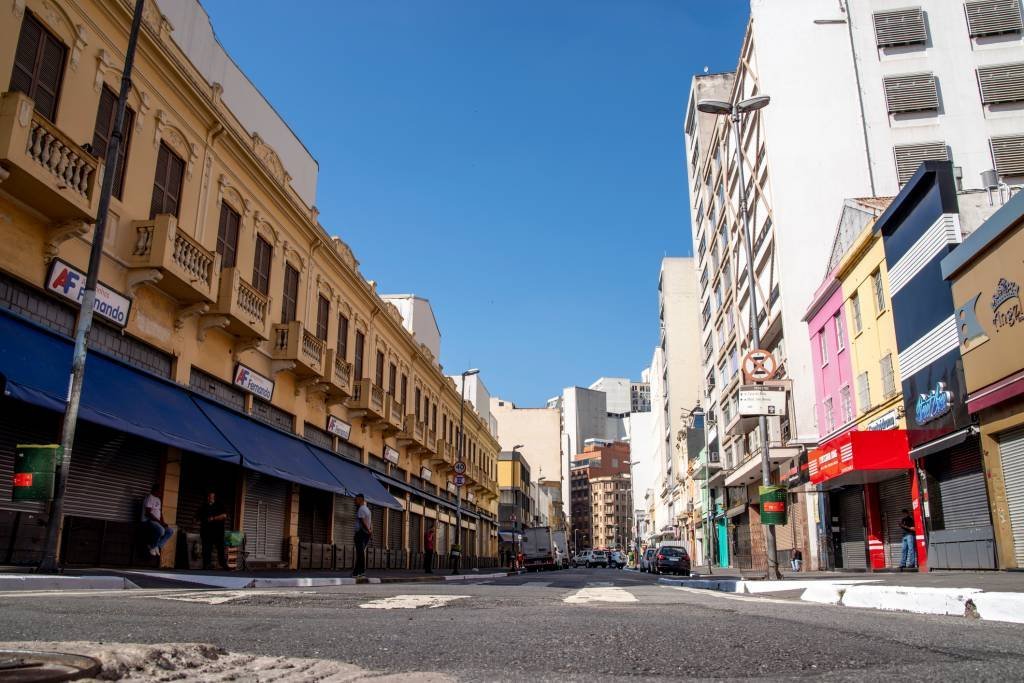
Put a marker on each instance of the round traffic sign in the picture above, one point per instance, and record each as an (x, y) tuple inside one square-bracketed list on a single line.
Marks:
[(460, 479), (460, 467), (759, 366)]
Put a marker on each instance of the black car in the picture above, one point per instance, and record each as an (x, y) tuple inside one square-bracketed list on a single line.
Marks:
[(671, 559)]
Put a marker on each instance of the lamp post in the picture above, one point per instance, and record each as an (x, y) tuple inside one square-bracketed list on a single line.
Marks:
[(736, 112), (461, 457)]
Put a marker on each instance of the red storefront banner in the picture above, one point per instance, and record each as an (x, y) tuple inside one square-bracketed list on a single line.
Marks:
[(859, 451)]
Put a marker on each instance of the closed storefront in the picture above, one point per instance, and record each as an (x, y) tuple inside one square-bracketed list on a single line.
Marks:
[(1011, 452), (395, 529), (22, 524), (315, 510), (740, 546), (199, 475), (848, 528), (266, 501), (415, 532), (894, 497), (960, 530), (344, 529)]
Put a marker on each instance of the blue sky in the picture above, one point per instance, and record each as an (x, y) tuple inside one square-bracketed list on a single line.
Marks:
[(520, 164)]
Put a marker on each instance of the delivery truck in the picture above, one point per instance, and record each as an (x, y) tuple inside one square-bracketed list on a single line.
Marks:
[(538, 548)]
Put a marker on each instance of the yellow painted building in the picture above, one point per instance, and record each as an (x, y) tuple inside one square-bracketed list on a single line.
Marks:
[(236, 292)]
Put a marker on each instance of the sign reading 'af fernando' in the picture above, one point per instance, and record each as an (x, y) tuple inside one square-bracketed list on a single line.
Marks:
[(68, 282)]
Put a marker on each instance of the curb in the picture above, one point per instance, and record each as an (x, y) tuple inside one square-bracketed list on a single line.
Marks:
[(22, 582)]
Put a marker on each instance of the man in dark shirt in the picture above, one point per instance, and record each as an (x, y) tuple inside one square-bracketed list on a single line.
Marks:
[(211, 529), (908, 558)]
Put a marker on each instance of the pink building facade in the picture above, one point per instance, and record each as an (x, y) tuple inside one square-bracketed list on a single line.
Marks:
[(833, 369)]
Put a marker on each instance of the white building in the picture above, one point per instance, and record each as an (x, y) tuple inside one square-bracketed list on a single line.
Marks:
[(478, 397), (661, 481), (418, 318), (584, 417), (618, 404)]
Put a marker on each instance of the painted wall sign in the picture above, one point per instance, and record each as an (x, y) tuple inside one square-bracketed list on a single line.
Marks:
[(1006, 307), (338, 427), (933, 404), (887, 421), (253, 382), (391, 455), (67, 282)]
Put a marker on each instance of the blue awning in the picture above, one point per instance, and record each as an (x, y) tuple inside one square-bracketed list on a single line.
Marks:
[(36, 364), (355, 478), (269, 451)]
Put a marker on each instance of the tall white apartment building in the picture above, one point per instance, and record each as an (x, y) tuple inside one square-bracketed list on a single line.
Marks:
[(861, 92), (618, 404)]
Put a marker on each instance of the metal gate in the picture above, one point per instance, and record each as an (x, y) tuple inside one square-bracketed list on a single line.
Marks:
[(315, 511), (265, 502), (1011, 452), (111, 472), (852, 539), (22, 423), (396, 519), (344, 530), (962, 493), (893, 498)]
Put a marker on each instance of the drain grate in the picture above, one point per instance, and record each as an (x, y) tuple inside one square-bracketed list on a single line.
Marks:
[(28, 666)]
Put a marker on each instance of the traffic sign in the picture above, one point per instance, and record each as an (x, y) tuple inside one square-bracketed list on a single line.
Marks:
[(460, 480), (759, 366), (460, 467)]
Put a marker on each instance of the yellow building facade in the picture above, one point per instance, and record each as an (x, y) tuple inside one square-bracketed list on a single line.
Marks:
[(233, 290)]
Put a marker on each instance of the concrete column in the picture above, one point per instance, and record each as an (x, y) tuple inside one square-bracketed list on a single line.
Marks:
[(291, 526), (171, 480)]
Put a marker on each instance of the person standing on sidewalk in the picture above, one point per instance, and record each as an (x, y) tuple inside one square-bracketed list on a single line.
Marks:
[(908, 557), (211, 529), (364, 534), (153, 517), (428, 553)]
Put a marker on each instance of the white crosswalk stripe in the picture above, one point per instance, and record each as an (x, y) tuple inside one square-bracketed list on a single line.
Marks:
[(600, 594), (412, 601)]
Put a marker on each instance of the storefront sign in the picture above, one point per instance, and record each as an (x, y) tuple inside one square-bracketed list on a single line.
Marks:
[(799, 472), (887, 421), (856, 452), (773, 504), (338, 427), (253, 382), (452, 488), (391, 455), (761, 400), (69, 283), (425, 474), (934, 404), (1006, 306)]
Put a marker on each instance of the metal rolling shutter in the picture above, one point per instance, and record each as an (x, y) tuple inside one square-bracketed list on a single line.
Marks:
[(440, 538), (377, 522), (415, 530), (851, 521), (265, 502), (396, 522), (1011, 452), (344, 521), (111, 472), (314, 515), (21, 423), (962, 492), (893, 495)]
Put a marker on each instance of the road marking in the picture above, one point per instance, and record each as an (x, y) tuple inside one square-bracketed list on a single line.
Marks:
[(221, 597), (537, 584), (600, 594), (733, 596), (412, 601)]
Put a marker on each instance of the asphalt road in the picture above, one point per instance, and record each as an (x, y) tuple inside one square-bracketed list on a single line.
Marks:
[(592, 624)]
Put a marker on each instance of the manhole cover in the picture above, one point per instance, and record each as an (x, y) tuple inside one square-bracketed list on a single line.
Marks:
[(28, 666)]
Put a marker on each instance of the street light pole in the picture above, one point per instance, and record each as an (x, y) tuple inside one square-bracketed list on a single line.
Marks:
[(736, 112), (461, 458), (55, 521)]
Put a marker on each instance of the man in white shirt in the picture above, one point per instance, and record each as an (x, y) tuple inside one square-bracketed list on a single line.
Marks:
[(364, 533), (152, 516)]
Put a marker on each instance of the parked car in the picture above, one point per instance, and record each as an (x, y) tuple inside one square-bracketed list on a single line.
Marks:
[(581, 559), (598, 558), (671, 558), (647, 559), (617, 559)]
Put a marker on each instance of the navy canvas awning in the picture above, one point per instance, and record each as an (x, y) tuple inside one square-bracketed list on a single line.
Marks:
[(36, 364), (269, 451), (355, 478), (437, 500)]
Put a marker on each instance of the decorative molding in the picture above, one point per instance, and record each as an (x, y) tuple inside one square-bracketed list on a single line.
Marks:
[(246, 344), (209, 322), (279, 366), (58, 18), (393, 311), (144, 107), (271, 161), (18, 8), (156, 20), (345, 252), (287, 248), (143, 276), (264, 224), (344, 306), (313, 385), (314, 213), (24, 112), (216, 93), (189, 312), (104, 63), (225, 189), (176, 139), (324, 285), (60, 233)]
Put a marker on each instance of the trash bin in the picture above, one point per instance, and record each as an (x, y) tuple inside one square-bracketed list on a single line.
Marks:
[(34, 468)]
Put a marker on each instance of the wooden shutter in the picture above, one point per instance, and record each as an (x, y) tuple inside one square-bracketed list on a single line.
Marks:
[(900, 27), (909, 157), (261, 266), (323, 312), (289, 303), (227, 236), (992, 17), (342, 337), (1001, 83), (106, 116), (39, 66), (392, 379), (1008, 155), (911, 92), (405, 390), (358, 361), (379, 375), (418, 395), (170, 170)]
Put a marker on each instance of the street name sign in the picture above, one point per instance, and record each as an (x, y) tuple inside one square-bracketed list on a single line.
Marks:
[(757, 399)]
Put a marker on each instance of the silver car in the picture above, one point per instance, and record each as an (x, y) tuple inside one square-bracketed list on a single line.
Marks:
[(647, 559)]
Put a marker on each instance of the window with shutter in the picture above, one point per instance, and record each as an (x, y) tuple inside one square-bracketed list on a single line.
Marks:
[(358, 360), (419, 395), (900, 27), (323, 316), (911, 92), (342, 337), (170, 169), (227, 236), (261, 266), (39, 66), (378, 376), (392, 379), (404, 396), (1008, 155), (993, 17), (290, 295), (888, 376), (105, 120), (863, 392), (909, 157), (1001, 83)]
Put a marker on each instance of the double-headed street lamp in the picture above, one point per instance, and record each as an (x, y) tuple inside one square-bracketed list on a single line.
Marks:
[(461, 450), (736, 112)]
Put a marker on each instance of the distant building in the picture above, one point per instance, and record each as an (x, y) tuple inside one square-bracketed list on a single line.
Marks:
[(640, 396), (536, 434), (601, 495), (418, 318), (515, 511), (618, 404)]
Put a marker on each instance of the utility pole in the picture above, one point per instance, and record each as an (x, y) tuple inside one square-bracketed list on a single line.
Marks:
[(55, 521)]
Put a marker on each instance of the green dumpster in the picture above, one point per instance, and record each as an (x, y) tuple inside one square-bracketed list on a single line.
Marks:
[(773, 504), (34, 469)]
